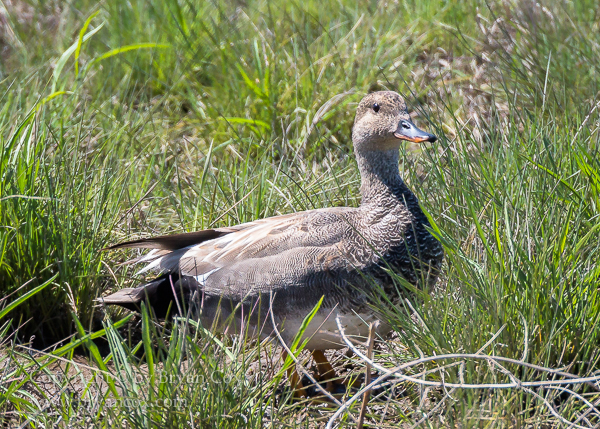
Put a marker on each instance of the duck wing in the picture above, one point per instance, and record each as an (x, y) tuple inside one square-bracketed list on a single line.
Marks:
[(300, 256)]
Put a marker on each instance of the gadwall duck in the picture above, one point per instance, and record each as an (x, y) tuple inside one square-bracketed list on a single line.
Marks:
[(230, 278)]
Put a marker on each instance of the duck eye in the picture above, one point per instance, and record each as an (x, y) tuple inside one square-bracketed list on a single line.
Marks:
[(405, 125), (376, 107)]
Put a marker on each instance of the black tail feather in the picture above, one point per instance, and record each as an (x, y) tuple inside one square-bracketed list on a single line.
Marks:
[(174, 241), (158, 295)]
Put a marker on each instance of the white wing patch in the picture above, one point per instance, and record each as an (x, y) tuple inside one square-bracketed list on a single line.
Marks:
[(151, 265), (201, 278), (149, 255)]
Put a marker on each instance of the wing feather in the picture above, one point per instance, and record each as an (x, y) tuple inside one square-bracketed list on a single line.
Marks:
[(173, 241), (269, 253)]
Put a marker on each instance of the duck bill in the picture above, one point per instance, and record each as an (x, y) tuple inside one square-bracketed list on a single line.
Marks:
[(409, 132)]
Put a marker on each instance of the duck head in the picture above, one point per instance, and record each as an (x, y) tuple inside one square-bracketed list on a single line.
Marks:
[(382, 123)]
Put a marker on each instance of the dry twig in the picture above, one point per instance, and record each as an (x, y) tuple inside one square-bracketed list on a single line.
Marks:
[(525, 386), (363, 410)]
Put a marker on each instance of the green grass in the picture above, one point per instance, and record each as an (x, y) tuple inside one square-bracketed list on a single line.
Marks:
[(180, 115)]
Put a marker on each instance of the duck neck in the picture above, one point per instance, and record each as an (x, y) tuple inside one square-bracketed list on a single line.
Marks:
[(381, 184)]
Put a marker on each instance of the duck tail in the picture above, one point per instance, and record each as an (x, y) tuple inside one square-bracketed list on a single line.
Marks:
[(159, 294)]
